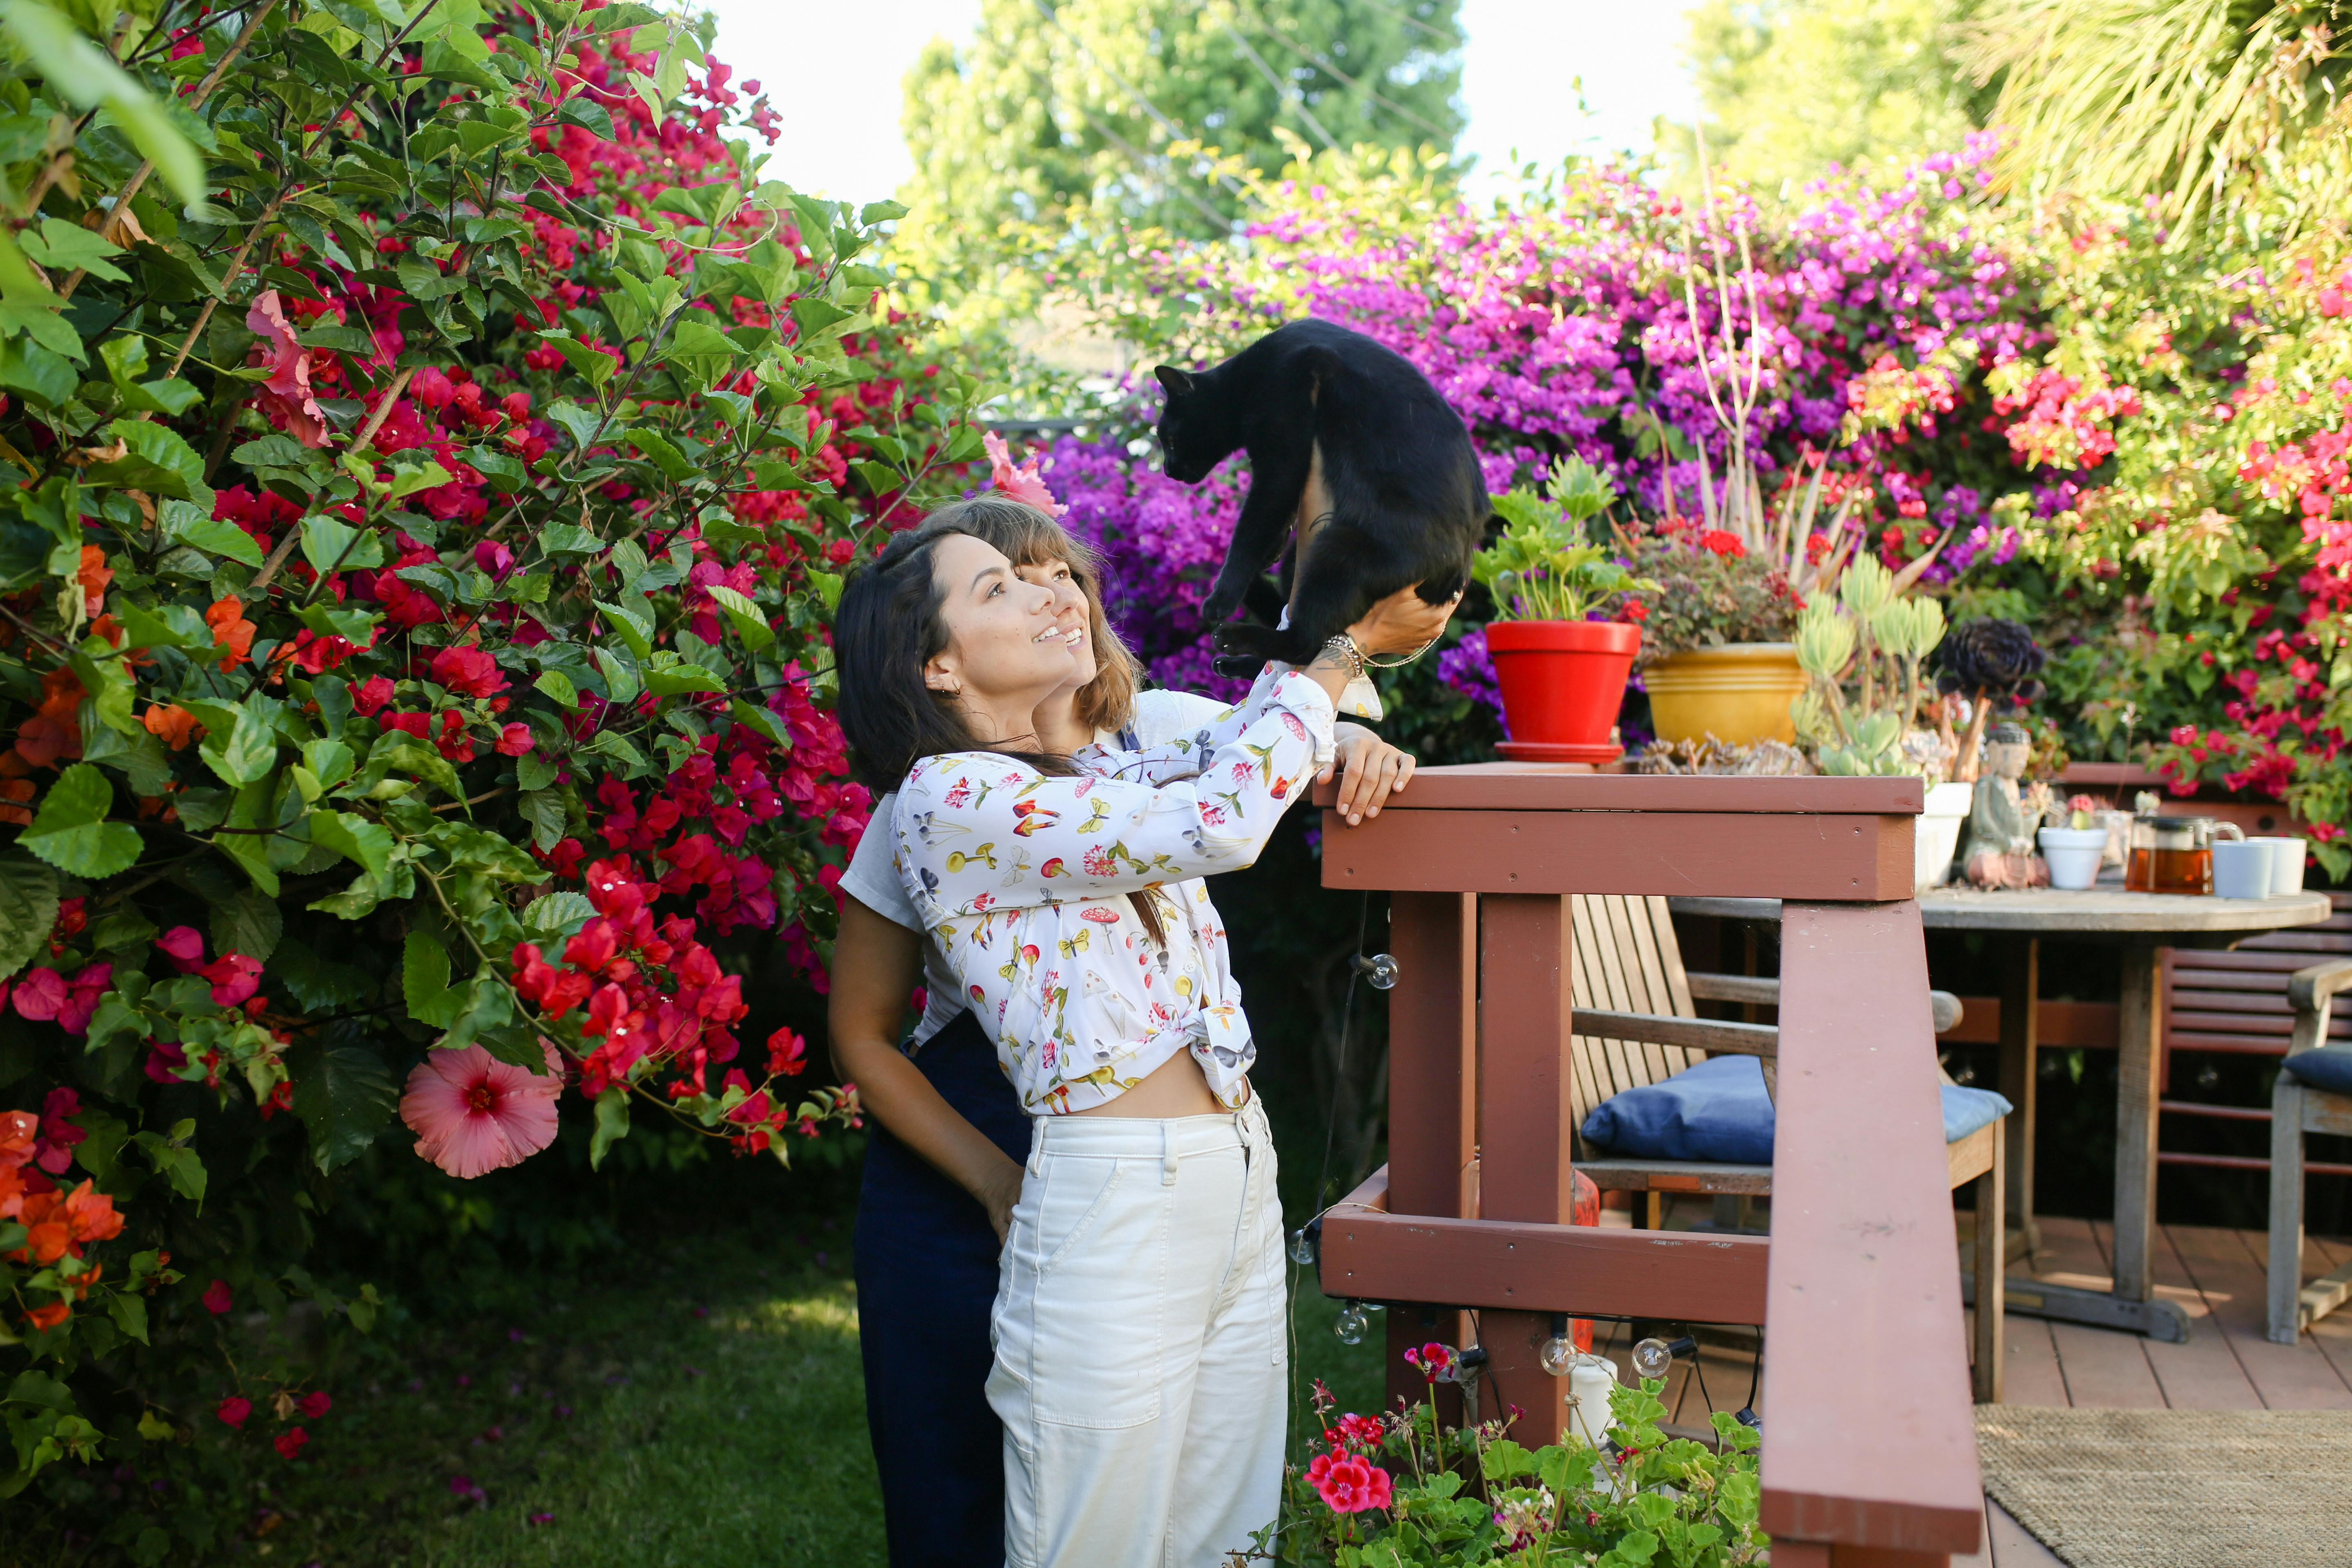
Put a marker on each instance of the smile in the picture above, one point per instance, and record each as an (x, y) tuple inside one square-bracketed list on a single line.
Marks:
[(1068, 638)]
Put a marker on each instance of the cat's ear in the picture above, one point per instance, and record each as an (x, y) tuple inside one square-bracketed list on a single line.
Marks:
[(1178, 382)]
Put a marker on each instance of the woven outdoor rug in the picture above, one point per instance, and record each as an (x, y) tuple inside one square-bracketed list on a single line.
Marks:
[(2175, 1488)]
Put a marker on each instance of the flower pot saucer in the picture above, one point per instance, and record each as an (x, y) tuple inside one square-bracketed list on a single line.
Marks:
[(1596, 752)]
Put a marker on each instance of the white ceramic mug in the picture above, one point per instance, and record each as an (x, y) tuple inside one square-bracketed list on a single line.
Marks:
[(2242, 867), (2286, 864)]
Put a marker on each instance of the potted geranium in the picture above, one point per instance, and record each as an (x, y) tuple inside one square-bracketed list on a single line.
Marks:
[(1717, 654), (1561, 662)]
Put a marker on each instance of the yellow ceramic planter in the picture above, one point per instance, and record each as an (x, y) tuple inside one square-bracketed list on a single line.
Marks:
[(1738, 692)]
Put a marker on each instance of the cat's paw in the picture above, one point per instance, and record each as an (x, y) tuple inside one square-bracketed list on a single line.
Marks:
[(1220, 605), (1238, 666)]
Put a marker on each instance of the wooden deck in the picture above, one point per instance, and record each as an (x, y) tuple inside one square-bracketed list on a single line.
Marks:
[(2215, 1274)]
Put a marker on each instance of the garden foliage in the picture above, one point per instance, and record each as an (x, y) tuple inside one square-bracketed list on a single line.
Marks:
[(432, 450)]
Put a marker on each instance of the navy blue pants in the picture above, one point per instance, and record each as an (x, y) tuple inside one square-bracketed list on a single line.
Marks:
[(925, 1286)]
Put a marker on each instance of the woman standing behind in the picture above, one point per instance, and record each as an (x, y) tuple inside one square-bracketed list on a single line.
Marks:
[(943, 1168), (1139, 1286)]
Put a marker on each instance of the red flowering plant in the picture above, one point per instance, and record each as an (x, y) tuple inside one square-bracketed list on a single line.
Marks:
[(430, 452), (1406, 1487)]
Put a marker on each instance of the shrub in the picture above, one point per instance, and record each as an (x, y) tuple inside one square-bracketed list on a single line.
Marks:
[(433, 451)]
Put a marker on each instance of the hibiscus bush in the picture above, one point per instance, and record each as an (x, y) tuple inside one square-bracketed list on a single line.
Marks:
[(431, 450)]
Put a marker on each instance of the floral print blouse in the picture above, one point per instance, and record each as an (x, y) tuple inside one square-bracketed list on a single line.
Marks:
[(1023, 879)]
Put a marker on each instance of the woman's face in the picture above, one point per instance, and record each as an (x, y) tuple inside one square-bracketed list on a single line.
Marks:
[(1071, 612), (1010, 644)]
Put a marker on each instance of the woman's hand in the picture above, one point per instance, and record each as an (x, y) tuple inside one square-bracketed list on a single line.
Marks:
[(998, 1191), (1403, 623), (1370, 769)]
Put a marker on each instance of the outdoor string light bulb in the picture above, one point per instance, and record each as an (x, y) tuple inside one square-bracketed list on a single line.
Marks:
[(1559, 1353), (1351, 1324), (1379, 969), (1654, 1358), (1302, 1248)]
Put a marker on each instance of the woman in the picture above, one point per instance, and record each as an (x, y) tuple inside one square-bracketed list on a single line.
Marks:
[(1141, 1280), (937, 1196)]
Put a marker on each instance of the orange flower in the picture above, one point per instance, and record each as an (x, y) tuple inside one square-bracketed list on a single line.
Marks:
[(95, 575), (57, 1223), (231, 630), (49, 1316), (172, 724), (53, 730)]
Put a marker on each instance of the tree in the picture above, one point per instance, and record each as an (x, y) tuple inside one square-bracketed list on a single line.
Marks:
[(1085, 121), (2204, 104), (1792, 87)]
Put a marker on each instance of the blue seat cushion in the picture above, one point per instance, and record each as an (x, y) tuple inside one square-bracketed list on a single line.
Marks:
[(1716, 1110), (2329, 1068)]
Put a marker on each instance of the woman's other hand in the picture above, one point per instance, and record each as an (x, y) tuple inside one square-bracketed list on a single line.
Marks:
[(998, 1191), (1369, 771), (1403, 623)]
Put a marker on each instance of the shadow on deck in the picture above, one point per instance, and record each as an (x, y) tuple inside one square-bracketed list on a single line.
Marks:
[(2215, 1274)]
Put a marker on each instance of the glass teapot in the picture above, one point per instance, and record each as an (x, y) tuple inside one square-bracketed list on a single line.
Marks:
[(2174, 853)]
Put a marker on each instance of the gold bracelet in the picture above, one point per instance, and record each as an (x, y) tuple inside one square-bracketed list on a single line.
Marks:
[(1344, 646)]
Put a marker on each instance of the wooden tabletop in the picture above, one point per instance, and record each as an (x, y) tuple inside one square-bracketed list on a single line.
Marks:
[(2097, 912)]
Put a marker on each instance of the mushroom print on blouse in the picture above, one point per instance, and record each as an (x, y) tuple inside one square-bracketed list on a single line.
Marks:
[(1023, 877)]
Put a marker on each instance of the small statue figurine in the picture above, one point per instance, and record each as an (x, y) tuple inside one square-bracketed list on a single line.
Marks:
[(1997, 840)]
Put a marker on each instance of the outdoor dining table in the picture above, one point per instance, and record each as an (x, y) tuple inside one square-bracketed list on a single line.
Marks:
[(2137, 925)]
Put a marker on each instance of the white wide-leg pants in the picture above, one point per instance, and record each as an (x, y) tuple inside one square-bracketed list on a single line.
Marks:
[(1141, 1364)]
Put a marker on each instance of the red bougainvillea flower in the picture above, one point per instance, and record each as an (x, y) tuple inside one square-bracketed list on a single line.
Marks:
[(84, 990), (315, 1404), (1348, 1485), (1022, 483), (234, 1410), (286, 397), (1722, 542), (217, 1299), (54, 1151), (185, 946), (289, 1443), (514, 740), (473, 1113), (787, 1053), (554, 992), (467, 672), (370, 695), (234, 977), (39, 994)]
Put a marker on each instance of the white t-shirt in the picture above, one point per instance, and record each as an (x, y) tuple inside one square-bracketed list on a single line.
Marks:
[(872, 879)]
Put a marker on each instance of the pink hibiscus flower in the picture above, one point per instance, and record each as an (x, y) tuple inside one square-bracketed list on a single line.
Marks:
[(1021, 482), (473, 1113), (286, 397)]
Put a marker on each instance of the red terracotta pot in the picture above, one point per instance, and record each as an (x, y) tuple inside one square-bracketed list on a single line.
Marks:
[(1562, 684)]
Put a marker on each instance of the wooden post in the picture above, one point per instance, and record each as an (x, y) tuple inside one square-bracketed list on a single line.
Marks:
[(2138, 1010), (1433, 1079), (2021, 1000), (1526, 1119)]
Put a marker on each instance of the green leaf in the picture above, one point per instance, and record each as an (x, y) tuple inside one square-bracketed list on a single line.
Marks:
[(818, 317), (873, 213), (163, 627), (827, 585), (240, 744), (129, 1314), (543, 809), (424, 980), (634, 627), (213, 536), (344, 1096), (329, 544), (154, 459), (611, 1125), (557, 685), (29, 909), (355, 838), (587, 113), (249, 923), (743, 615), (558, 914), (172, 1157), (62, 246), (657, 448), (672, 679), (486, 1009), (70, 830), (87, 76), (330, 762), (764, 720), (408, 479)]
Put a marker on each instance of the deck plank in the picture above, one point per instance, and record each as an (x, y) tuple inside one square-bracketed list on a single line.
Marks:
[(2104, 1370), (2288, 1377), (2205, 1373), (2012, 1544), (2030, 1375)]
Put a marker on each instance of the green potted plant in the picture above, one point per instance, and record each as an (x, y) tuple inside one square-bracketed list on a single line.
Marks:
[(1563, 673)]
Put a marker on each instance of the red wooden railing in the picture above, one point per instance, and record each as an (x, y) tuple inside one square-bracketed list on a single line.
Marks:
[(1869, 1450)]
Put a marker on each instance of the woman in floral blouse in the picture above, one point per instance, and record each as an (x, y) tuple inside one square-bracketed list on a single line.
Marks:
[(1140, 1365), (948, 1134)]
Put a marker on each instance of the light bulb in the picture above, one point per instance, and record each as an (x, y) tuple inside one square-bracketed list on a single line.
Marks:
[(1381, 970), (1350, 1324), (1653, 1358), (1558, 1355), (1302, 1248)]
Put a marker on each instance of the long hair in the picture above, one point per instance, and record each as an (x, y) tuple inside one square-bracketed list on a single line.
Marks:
[(1030, 537), (887, 628)]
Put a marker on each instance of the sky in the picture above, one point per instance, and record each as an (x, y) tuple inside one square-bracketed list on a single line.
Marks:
[(844, 62)]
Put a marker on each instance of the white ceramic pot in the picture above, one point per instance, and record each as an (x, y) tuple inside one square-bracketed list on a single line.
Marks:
[(2242, 867), (2073, 854), (2286, 864), (1937, 836)]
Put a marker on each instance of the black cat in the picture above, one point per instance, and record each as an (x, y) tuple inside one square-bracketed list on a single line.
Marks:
[(1401, 500)]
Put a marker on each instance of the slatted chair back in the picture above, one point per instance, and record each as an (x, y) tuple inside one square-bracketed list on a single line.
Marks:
[(1626, 960)]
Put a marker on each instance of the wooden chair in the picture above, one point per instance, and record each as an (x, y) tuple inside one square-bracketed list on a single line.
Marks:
[(2298, 1107), (1636, 1024)]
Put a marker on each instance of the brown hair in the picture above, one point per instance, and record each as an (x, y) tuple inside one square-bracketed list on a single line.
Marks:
[(1030, 537)]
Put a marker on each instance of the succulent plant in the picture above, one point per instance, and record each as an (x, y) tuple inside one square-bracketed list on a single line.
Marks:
[(1875, 638), (1988, 661)]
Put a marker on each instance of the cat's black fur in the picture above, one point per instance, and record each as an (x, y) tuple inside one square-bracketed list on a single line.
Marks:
[(1407, 501)]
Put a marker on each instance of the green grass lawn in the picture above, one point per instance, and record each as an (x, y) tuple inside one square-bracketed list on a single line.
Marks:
[(703, 1409)]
